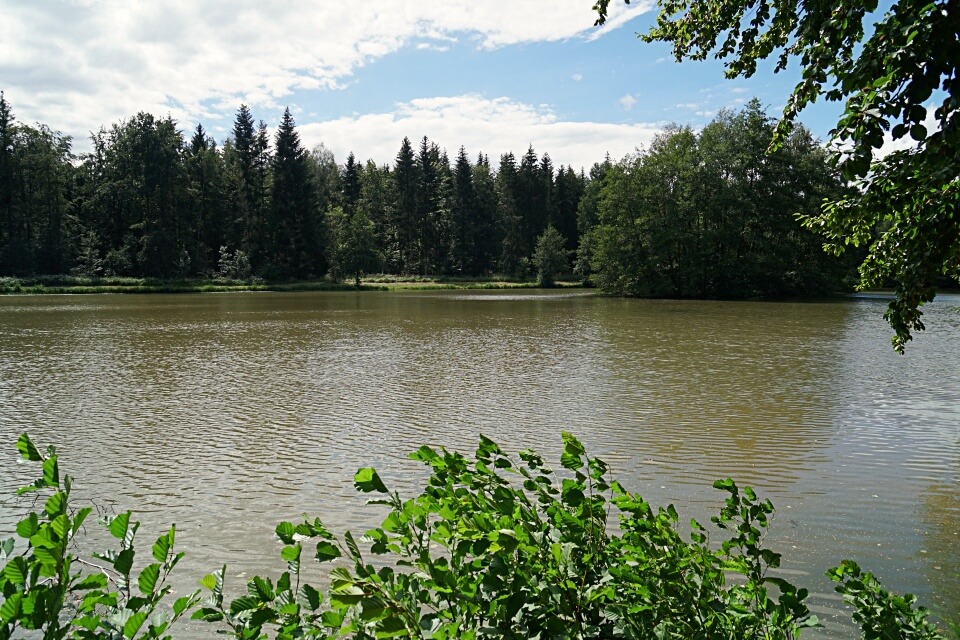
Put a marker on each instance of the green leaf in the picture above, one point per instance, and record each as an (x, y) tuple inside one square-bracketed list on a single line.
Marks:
[(10, 610), (148, 579), (391, 627), (92, 581), (119, 524), (134, 623), (244, 603), (310, 597), (124, 561), (51, 472), (182, 604), (261, 589), (161, 548), (27, 449), (6, 548), (291, 553), (573, 452), (79, 518), (55, 504), (367, 480), (424, 454), (283, 584), (327, 551), (352, 546), (16, 571), (285, 531), (918, 132), (207, 614), (29, 526)]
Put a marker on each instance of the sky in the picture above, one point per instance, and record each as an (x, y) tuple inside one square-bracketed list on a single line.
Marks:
[(490, 75)]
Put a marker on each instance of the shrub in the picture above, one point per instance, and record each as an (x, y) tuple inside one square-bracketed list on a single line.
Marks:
[(492, 547), (50, 589)]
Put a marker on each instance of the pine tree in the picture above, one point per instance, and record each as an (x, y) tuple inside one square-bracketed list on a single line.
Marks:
[(513, 249), (487, 238), (464, 218), (406, 178), (427, 202), (350, 185), (294, 247), (206, 188), (8, 233)]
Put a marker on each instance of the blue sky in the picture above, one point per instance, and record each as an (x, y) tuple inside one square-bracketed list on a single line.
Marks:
[(494, 77)]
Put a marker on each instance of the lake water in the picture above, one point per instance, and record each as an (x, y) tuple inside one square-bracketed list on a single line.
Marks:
[(225, 413)]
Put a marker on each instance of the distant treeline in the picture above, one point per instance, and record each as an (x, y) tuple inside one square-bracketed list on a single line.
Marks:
[(698, 214)]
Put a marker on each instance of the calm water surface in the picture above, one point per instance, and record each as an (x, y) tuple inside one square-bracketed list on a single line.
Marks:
[(225, 413)]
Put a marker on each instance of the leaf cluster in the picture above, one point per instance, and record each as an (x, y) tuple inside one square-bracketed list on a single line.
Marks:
[(49, 588), (499, 547), (897, 77), (493, 547)]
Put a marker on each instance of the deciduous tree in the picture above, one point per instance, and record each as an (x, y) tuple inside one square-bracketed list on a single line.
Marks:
[(899, 79)]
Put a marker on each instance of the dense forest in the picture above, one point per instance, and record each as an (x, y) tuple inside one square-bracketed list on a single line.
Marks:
[(698, 214)]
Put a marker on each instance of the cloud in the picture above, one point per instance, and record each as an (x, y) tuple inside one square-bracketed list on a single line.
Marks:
[(627, 101), (431, 46), (577, 77), (74, 64), (491, 126)]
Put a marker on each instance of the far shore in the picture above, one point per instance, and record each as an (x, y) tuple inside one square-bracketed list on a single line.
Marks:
[(87, 285)]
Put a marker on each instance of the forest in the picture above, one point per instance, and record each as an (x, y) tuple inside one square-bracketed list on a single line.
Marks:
[(706, 213)]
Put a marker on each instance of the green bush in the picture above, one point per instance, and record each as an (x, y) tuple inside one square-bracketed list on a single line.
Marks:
[(492, 547), (50, 589)]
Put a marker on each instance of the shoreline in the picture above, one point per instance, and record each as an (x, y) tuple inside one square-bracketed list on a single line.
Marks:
[(73, 285)]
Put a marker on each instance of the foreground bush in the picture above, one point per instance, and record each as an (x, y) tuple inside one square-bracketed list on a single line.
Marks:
[(494, 547)]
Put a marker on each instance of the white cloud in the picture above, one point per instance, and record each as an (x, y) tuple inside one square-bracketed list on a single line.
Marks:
[(577, 77), (430, 46), (491, 126), (76, 64), (930, 123), (627, 101)]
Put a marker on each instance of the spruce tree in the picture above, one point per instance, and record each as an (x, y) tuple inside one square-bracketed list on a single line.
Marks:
[(7, 222), (350, 185), (406, 179), (464, 218), (294, 247)]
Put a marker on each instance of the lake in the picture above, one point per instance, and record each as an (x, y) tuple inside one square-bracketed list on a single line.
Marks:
[(226, 413)]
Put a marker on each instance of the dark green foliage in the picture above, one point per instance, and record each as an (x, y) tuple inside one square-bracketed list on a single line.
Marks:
[(550, 258), (406, 178), (879, 613), (139, 198), (295, 249), (146, 203), (712, 215), (494, 546), (350, 185), (356, 244), (10, 257), (903, 205), (504, 547), (211, 217)]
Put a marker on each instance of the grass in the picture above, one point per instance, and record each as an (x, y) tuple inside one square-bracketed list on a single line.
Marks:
[(66, 284)]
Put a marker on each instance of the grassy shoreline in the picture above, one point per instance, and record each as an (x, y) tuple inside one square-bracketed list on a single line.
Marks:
[(40, 285)]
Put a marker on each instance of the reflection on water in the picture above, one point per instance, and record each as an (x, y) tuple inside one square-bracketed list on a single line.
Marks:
[(225, 413)]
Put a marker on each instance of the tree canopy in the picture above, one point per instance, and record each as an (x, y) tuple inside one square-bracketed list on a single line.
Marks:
[(898, 77)]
